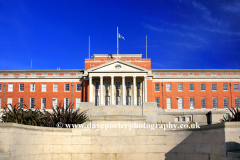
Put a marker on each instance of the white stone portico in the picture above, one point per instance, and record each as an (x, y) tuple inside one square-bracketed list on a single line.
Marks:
[(118, 83)]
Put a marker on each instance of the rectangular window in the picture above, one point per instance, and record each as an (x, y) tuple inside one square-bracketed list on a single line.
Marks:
[(138, 85), (225, 100), (236, 87), (236, 102), (138, 101), (107, 101), (191, 86), (118, 100), (0, 103), (157, 87), (32, 103), (43, 106), (214, 101), (9, 101), (202, 86), (128, 100), (203, 102), (66, 87), (168, 87), (78, 89), (96, 101), (44, 87), (214, 86), (32, 87), (66, 102), (78, 100), (10, 87), (192, 102), (55, 87), (21, 87), (20, 100), (0, 87), (180, 87), (180, 103), (157, 100), (54, 103), (97, 86), (169, 103), (128, 85), (225, 86), (117, 85), (107, 86), (183, 119)]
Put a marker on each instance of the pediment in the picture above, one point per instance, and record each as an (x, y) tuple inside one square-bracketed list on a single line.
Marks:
[(118, 66)]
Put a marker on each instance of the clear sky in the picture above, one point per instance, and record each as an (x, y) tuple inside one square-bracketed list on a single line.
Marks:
[(182, 34)]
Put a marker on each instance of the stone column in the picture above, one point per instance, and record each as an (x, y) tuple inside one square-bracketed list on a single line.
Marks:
[(90, 89), (134, 91), (145, 88), (123, 91), (101, 90), (112, 90)]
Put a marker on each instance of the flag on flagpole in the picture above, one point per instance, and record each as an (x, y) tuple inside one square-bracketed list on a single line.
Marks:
[(119, 36)]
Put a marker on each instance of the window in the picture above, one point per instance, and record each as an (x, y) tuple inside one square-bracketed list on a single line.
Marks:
[(138, 101), (21, 87), (138, 85), (32, 87), (128, 85), (97, 86), (32, 103), (44, 87), (66, 102), (54, 102), (157, 87), (78, 100), (180, 87), (78, 89), (180, 103), (0, 103), (169, 103), (117, 85), (66, 87), (107, 86), (236, 87), (157, 100), (203, 102), (236, 102), (225, 100), (0, 87), (183, 119), (202, 86), (43, 106), (176, 119), (168, 87), (96, 101), (128, 100), (118, 100), (214, 101), (9, 101), (214, 86), (10, 87), (191, 86), (107, 100), (225, 86), (192, 102), (55, 87), (21, 100)]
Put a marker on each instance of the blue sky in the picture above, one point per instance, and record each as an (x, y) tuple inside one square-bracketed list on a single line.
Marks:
[(182, 34)]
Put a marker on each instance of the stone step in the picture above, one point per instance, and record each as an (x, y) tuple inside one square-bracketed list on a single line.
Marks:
[(118, 118)]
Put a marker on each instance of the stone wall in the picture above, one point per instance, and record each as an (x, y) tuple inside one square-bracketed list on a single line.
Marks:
[(30, 142)]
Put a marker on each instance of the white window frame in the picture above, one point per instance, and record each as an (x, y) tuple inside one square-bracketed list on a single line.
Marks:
[(203, 103), (21, 87), (55, 87), (78, 101), (236, 99), (66, 102), (65, 87), (10, 87), (213, 86), (192, 102), (0, 87), (237, 86), (9, 101), (215, 104), (180, 103), (168, 87), (0, 102), (54, 102), (169, 103), (42, 103), (180, 86), (44, 87), (32, 107), (191, 88), (204, 86), (32, 87), (78, 84), (155, 87), (19, 100), (225, 86), (225, 102)]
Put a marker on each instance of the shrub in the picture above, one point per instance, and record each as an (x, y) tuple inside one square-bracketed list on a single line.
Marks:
[(234, 116)]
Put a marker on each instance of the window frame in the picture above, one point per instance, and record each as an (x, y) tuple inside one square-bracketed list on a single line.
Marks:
[(169, 105), (44, 87), (65, 86), (215, 103), (66, 99), (32, 86), (237, 87), (158, 102), (190, 86), (226, 98), (42, 103), (215, 86), (204, 87), (10, 84), (225, 85), (78, 89), (56, 84), (205, 101), (78, 101), (0, 87), (21, 87), (155, 87), (180, 86), (235, 102), (192, 107), (32, 107), (54, 102), (168, 88), (180, 104)]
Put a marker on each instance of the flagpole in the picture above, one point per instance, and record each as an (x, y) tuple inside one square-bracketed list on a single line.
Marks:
[(117, 42), (146, 46), (89, 47)]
